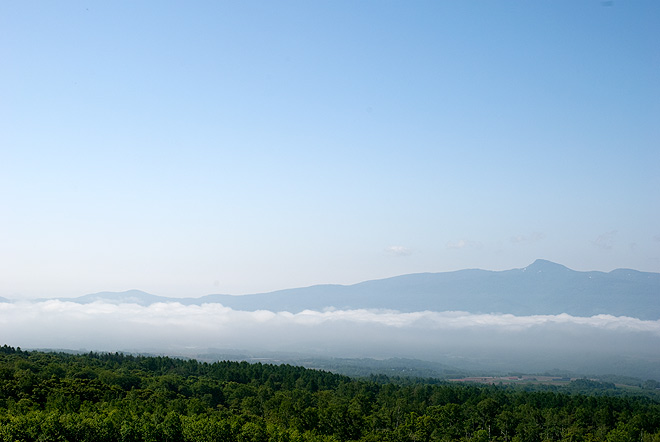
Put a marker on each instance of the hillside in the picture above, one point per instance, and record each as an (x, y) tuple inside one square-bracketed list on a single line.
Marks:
[(116, 397), (542, 288)]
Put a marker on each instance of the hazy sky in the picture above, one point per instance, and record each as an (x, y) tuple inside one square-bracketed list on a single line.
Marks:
[(187, 148)]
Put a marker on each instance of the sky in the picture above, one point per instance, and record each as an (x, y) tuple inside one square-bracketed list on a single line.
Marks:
[(188, 148)]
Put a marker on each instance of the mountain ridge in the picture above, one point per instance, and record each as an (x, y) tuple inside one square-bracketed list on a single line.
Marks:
[(543, 287)]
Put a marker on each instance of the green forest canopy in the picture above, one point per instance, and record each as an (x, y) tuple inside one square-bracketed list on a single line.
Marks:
[(117, 397)]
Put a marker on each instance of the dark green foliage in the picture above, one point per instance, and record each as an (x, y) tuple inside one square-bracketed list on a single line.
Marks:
[(116, 397)]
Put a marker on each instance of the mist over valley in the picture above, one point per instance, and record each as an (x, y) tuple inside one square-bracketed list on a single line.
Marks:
[(538, 318)]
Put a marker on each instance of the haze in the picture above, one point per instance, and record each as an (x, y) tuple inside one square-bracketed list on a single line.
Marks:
[(602, 344)]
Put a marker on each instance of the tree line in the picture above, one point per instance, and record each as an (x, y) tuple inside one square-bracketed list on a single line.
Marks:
[(116, 397)]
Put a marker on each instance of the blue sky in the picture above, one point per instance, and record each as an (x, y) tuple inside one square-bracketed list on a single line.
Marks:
[(239, 147)]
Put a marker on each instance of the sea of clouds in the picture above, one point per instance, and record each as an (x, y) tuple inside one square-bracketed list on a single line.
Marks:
[(561, 341)]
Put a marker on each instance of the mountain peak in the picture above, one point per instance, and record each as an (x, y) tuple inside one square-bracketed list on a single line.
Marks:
[(127, 297), (543, 265)]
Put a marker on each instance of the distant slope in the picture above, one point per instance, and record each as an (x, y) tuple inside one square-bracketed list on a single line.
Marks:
[(127, 297), (542, 288)]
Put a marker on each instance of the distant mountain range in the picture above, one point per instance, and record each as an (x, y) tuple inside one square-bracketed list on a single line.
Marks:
[(542, 288)]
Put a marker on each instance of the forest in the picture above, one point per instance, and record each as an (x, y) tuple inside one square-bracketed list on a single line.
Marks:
[(117, 397)]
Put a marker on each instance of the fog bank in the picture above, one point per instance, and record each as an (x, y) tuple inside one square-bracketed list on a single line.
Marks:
[(602, 343)]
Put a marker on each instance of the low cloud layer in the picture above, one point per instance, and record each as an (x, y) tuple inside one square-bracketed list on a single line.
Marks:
[(501, 338)]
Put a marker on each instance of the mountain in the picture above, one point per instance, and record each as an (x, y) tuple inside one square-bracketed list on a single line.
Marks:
[(542, 288), (127, 297)]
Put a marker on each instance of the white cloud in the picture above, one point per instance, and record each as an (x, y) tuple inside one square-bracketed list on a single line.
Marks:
[(533, 237), (463, 244), (398, 250), (537, 342), (604, 241), (52, 318)]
